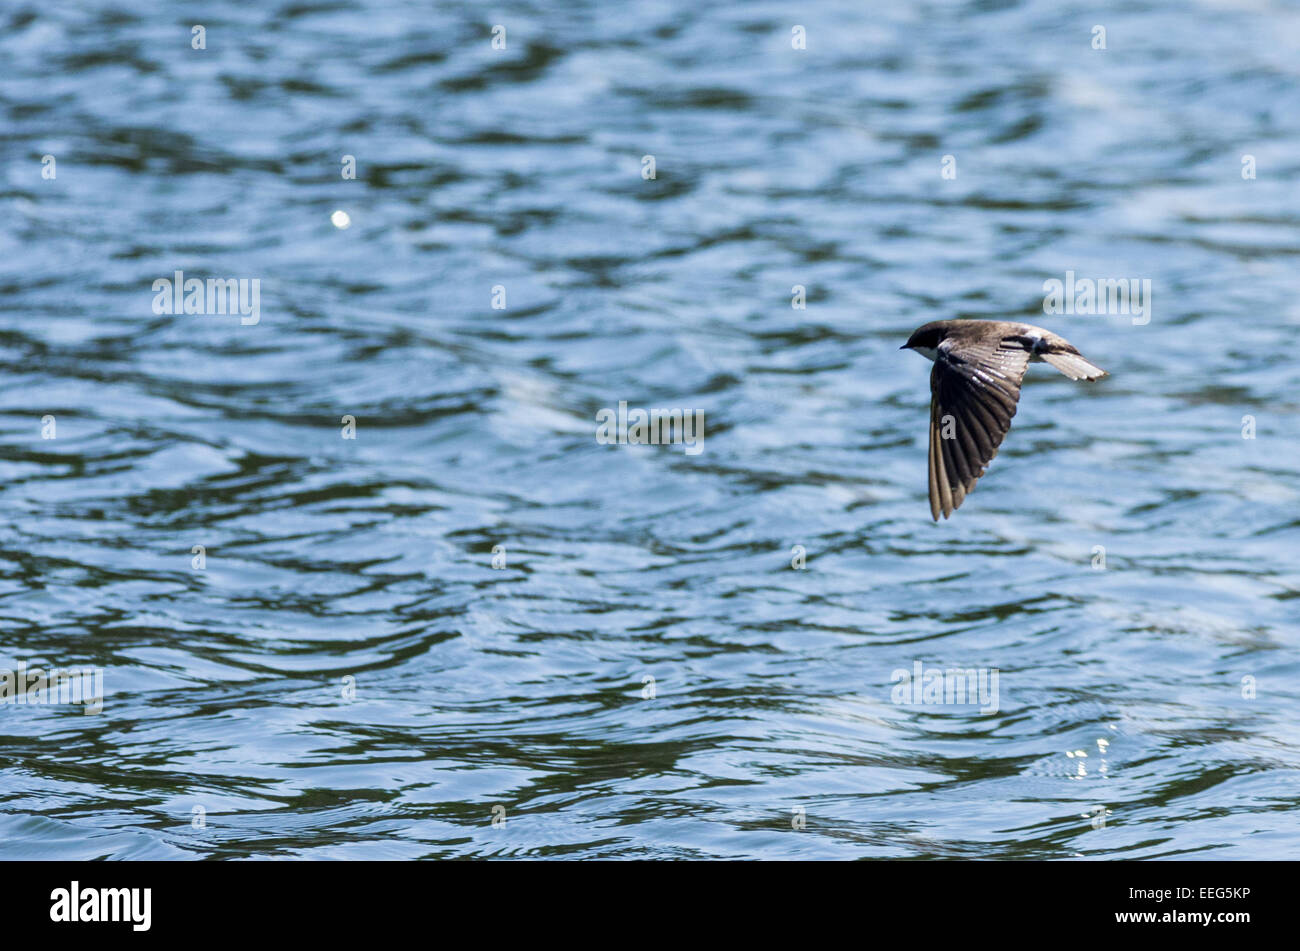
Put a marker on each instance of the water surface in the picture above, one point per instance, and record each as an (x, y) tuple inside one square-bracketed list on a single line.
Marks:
[(350, 677)]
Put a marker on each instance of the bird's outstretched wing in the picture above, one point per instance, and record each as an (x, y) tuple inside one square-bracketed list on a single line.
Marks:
[(974, 387)]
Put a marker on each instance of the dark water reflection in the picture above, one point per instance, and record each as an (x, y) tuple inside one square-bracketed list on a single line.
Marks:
[(522, 687)]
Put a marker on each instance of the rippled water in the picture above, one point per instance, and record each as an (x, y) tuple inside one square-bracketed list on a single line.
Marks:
[(348, 676)]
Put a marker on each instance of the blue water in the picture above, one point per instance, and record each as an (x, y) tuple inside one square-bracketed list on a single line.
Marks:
[(348, 676)]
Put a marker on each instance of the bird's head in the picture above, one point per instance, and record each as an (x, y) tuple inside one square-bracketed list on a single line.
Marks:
[(925, 339)]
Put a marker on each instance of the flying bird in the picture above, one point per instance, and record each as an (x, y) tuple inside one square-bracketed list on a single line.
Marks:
[(974, 386)]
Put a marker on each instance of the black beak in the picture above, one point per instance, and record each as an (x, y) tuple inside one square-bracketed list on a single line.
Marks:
[(903, 347)]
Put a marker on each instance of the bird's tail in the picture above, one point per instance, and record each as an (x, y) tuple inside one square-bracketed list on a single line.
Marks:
[(1073, 365)]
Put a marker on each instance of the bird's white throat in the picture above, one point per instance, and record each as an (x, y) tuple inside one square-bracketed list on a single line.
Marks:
[(928, 352)]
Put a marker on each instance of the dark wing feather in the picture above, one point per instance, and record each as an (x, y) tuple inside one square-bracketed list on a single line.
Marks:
[(978, 385)]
